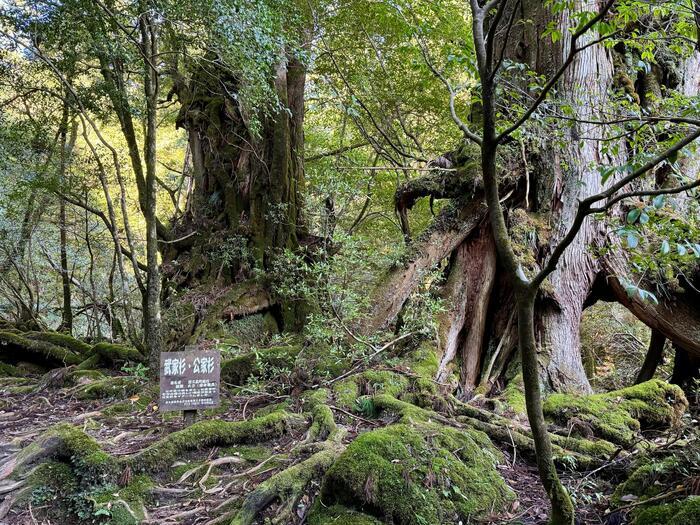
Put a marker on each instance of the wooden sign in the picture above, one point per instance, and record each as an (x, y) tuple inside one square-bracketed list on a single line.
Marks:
[(189, 380)]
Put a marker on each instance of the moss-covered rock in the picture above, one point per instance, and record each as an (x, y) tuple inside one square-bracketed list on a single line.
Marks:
[(648, 479), (423, 473), (617, 416), (682, 512)]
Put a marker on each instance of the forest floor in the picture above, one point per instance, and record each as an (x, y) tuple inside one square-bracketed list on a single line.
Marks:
[(187, 496)]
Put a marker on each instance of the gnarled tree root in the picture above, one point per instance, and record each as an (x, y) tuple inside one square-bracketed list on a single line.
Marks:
[(69, 443)]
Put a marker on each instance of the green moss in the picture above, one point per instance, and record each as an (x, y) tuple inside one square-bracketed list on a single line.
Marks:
[(54, 475), (514, 395), (273, 407), (9, 370), (64, 340), (138, 489), (346, 393), (237, 370), (65, 442), (338, 515), (136, 403), (424, 360), (109, 387), (52, 484), (125, 506), (371, 382), (90, 363), (91, 375), (597, 448), (682, 512), (419, 473), (383, 382), (647, 480), (320, 361), (314, 397), (617, 416), (323, 424), (209, 433), (16, 347), (20, 390), (114, 353)]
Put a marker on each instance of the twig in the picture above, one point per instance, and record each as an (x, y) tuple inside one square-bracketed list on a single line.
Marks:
[(333, 407)]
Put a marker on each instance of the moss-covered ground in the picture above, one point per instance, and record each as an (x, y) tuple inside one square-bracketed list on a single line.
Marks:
[(301, 440)]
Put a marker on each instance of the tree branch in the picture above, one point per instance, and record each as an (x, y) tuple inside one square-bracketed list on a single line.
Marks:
[(585, 207)]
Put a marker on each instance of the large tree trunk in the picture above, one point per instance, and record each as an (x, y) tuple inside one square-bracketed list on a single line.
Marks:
[(246, 206), (562, 176), (553, 176)]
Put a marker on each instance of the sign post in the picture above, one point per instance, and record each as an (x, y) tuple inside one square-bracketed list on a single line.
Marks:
[(189, 381)]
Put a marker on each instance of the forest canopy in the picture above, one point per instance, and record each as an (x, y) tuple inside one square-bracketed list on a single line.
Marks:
[(447, 251)]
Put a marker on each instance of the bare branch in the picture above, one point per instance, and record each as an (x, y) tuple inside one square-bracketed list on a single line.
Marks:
[(453, 95)]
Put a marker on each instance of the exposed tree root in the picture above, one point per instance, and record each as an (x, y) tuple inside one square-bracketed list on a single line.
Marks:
[(452, 226), (289, 485), (15, 347), (55, 350)]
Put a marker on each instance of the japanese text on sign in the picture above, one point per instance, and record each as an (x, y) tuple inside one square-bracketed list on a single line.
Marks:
[(189, 380)]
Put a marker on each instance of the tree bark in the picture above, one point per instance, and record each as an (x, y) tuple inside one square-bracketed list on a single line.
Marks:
[(67, 144), (466, 293), (152, 314), (247, 183), (654, 355)]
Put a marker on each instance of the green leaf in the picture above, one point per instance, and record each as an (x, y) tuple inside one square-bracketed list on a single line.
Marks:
[(633, 215), (659, 202), (643, 218), (665, 247), (632, 240)]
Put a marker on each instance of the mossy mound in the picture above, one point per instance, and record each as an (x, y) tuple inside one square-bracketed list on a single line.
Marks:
[(237, 370), (617, 416), (54, 484), (209, 433), (652, 477), (60, 339), (112, 353), (15, 348), (109, 387), (67, 443), (339, 515), (682, 512), (423, 473), (55, 487)]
